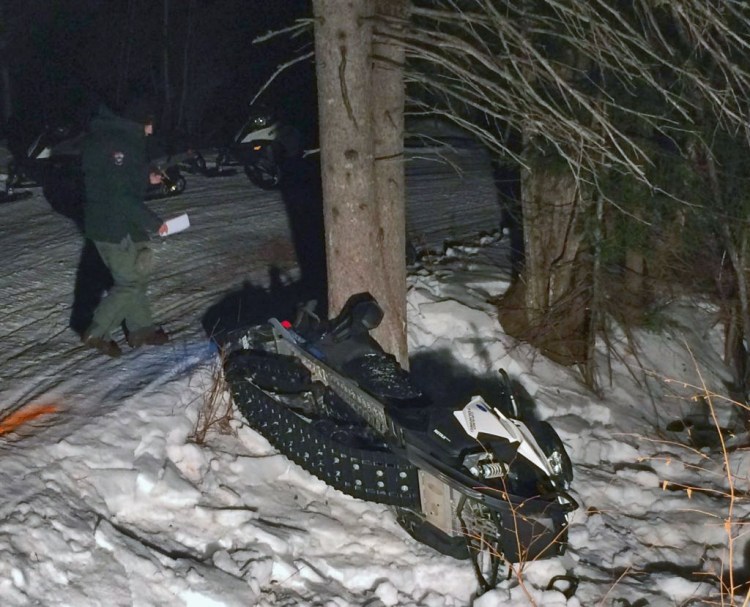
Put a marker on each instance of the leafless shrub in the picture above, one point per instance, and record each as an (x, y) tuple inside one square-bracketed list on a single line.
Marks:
[(216, 413)]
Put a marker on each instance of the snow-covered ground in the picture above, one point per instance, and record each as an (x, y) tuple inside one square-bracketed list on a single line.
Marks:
[(107, 500)]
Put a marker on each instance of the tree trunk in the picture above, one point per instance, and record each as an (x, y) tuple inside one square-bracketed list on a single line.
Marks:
[(388, 124), (735, 240), (167, 112), (6, 99), (557, 289), (363, 222), (181, 118), (123, 68), (550, 212), (635, 277)]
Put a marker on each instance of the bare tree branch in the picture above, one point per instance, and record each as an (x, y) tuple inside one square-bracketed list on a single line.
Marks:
[(573, 72)]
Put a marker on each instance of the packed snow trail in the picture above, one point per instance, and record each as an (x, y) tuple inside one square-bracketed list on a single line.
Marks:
[(239, 243)]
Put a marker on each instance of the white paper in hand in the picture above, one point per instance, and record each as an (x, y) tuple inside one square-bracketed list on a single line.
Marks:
[(177, 224)]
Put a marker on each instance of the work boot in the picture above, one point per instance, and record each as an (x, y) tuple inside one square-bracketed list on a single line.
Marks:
[(154, 337), (102, 344)]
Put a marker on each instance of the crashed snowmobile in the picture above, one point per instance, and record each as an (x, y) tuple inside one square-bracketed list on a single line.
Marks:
[(472, 482)]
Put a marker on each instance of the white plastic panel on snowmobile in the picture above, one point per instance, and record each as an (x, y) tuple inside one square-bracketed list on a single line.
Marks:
[(478, 417), (268, 133)]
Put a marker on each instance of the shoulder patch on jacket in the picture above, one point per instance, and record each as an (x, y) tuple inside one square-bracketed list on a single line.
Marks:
[(119, 158)]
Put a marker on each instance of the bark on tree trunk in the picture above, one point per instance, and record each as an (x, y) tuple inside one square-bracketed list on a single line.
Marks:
[(363, 222), (389, 179), (635, 276), (551, 237), (6, 101), (736, 246), (7, 97), (123, 71), (181, 119), (556, 281), (166, 114), (343, 36)]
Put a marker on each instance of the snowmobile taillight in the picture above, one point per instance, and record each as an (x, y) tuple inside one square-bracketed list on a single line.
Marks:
[(286, 324)]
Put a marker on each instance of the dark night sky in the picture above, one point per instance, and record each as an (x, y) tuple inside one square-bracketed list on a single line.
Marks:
[(65, 55)]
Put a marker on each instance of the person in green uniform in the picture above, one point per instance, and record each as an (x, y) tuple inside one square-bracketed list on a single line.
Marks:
[(116, 174)]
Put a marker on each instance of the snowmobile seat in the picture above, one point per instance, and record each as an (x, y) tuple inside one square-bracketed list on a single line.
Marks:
[(360, 314)]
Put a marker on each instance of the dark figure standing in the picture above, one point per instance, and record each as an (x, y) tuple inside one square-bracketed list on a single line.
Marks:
[(116, 175)]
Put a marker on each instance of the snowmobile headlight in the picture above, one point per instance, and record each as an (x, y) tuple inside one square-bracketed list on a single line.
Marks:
[(260, 121), (555, 461)]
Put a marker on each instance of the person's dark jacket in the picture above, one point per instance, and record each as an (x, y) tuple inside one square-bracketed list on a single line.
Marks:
[(115, 172)]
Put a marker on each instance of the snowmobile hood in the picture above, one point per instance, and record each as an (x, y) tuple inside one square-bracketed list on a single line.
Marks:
[(477, 417)]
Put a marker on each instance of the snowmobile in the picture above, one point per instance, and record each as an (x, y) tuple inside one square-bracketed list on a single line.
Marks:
[(8, 191), (56, 154), (473, 481), (262, 146), (175, 149), (172, 183), (55, 150)]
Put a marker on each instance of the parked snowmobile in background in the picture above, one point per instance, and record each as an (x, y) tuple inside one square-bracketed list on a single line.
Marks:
[(9, 191), (56, 154), (169, 154), (262, 146), (172, 182), (175, 149), (56, 150), (471, 480)]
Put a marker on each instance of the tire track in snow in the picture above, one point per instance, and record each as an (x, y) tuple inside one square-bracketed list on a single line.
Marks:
[(234, 228)]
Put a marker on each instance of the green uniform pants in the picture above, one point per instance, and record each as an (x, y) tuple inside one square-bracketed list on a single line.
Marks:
[(130, 264)]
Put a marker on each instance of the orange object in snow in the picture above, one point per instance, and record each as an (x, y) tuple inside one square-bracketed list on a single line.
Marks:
[(25, 414)]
